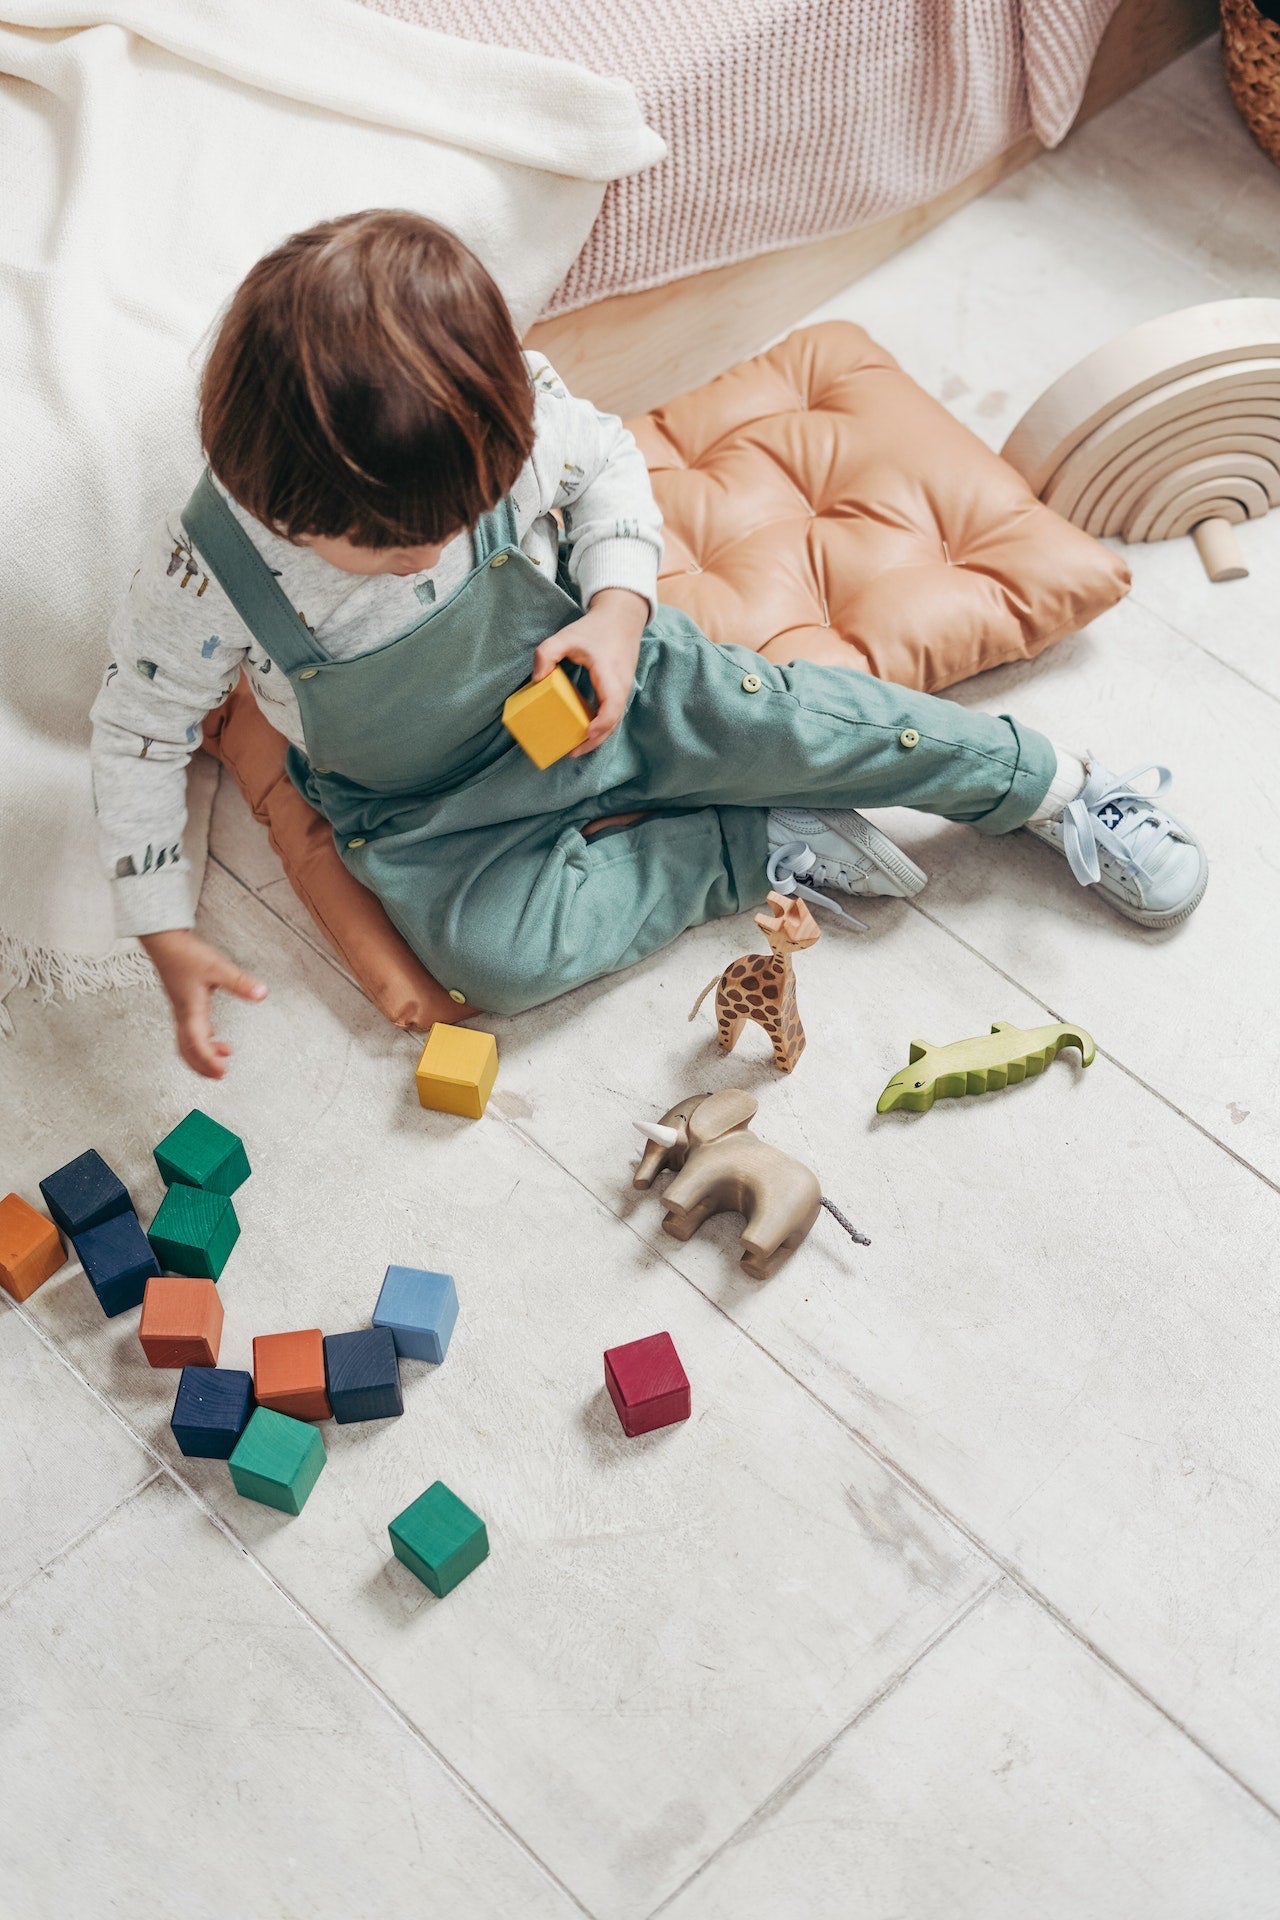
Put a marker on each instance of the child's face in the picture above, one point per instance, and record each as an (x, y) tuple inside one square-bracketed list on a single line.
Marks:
[(339, 552)]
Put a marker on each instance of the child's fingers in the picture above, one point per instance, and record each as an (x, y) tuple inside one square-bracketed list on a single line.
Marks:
[(235, 980), (552, 651), (203, 1052), (611, 696)]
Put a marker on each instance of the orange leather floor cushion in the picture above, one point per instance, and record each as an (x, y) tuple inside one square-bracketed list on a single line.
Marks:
[(819, 506)]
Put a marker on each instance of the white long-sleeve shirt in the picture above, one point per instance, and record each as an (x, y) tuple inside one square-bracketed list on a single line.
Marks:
[(177, 643)]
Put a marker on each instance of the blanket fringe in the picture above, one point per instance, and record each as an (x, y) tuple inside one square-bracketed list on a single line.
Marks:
[(58, 975)]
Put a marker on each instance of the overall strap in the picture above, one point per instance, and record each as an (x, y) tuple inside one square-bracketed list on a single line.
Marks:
[(494, 530), (247, 580)]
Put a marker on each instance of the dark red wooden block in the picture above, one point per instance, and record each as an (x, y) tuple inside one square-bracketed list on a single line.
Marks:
[(647, 1384)]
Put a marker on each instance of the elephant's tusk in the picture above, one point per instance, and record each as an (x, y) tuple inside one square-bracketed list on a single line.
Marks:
[(660, 1135)]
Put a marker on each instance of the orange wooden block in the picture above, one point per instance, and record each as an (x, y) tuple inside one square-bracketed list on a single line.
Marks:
[(30, 1247), (288, 1374), (181, 1324)]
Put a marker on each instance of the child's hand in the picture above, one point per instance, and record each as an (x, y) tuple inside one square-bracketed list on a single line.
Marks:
[(606, 641), (190, 972)]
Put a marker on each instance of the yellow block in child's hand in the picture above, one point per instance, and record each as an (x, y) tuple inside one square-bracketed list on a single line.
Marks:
[(457, 1070), (547, 717)]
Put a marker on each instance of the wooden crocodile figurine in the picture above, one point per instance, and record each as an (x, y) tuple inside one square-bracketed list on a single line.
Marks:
[(997, 1059)]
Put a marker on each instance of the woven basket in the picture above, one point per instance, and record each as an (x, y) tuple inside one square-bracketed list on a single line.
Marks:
[(1251, 56)]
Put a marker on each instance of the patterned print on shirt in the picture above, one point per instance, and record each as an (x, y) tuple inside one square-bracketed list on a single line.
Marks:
[(626, 529), (210, 647), (426, 591), (147, 668), (127, 867), (184, 556)]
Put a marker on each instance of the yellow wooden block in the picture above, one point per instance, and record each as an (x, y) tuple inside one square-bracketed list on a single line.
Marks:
[(457, 1070), (547, 717)]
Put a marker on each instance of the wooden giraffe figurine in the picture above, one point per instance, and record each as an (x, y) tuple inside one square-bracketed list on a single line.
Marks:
[(762, 986)]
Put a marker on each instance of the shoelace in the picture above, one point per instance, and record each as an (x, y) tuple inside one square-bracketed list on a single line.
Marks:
[(789, 867), (1087, 833)]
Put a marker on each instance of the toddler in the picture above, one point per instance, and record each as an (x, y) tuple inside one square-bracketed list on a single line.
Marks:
[(375, 543)]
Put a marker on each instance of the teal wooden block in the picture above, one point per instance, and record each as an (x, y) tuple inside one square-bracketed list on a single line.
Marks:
[(277, 1460), (201, 1153), (439, 1539), (194, 1232)]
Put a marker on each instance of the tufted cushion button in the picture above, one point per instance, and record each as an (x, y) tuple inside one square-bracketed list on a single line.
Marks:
[(357, 842), (456, 993), (751, 683), (308, 673), (498, 560), (908, 737)]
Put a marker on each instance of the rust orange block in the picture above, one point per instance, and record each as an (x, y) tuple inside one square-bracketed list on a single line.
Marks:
[(547, 717), (181, 1324), (288, 1374), (30, 1247)]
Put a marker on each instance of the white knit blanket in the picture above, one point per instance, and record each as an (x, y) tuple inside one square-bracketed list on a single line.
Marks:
[(150, 151)]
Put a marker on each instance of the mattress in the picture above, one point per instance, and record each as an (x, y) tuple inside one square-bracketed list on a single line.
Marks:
[(787, 120)]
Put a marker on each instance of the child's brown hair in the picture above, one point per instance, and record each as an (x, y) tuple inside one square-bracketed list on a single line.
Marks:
[(366, 382)]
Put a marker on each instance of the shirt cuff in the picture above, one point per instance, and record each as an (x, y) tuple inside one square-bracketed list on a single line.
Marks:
[(152, 902), (619, 563)]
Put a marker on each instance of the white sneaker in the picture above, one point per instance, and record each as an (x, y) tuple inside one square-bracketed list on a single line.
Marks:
[(1144, 863), (840, 850)]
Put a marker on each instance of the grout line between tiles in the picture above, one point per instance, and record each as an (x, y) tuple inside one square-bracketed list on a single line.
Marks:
[(1111, 1059), (165, 1470), (1160, 615), (930, 1501), (313, 946), (809, 1766), (78, 1539)]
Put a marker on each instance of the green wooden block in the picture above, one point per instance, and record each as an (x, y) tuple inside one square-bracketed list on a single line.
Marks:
[(201, 1153), (439, 1539), (194, 1232), (277, 1460)]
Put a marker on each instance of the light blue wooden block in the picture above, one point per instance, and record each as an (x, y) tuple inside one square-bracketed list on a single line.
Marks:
[(419, 1310)]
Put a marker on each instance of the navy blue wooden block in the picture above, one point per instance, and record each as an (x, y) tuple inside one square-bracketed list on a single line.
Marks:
[(119, 1260), (84, 1193), (362, 1375), (211, 1411)]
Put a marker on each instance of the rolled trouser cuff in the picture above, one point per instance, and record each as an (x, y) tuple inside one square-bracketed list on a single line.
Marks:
[(1032, 776)]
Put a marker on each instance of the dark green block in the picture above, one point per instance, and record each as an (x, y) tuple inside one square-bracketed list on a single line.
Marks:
[(439, 1539), (194, 1231), (277, 1460), (202, 1153)]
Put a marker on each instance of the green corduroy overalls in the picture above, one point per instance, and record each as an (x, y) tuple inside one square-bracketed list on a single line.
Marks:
[(480, 859)]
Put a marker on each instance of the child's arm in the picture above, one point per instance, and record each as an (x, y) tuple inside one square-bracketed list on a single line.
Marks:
[(176, 647), (588, 466)]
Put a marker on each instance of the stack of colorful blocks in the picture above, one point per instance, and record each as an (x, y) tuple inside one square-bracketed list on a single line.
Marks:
[(259, 1423)]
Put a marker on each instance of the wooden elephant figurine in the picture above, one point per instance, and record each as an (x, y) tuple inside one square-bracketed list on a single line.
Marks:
[(722, 1167)]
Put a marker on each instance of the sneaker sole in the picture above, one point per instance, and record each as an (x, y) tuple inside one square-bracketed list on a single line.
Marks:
[(1172, 916), (1153, 921), (882, 852)]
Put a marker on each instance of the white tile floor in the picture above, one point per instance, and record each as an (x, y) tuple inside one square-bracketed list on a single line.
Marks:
[(956, 1598)]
